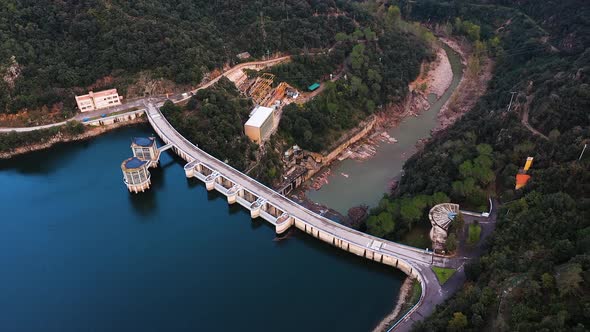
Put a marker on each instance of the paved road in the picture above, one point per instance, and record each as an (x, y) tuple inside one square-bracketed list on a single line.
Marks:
[(458, 279), (142, 101)]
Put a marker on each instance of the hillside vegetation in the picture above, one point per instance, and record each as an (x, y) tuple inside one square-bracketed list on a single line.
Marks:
[(214, 119), (51, 49), (536, 276), (374, 70), (377, 63)]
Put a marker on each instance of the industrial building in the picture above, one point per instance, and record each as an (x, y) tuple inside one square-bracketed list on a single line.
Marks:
[(260, 124), (98, 100)]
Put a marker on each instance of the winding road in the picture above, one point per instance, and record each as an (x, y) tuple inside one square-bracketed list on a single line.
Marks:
[(142, 101)]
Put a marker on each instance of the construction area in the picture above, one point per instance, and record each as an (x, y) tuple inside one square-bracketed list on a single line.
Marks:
[(262, 89), (270, 97)]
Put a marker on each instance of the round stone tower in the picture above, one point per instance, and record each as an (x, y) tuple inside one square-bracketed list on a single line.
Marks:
[(135, 174)]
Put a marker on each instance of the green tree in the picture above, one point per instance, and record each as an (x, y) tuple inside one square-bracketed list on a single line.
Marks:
[(547, 280), (569, 278), (393, 17), (409, 212), (381, 224), (452, 242), (458, 322), (357, 57), (440, 197), (369, 34), (341, 37)]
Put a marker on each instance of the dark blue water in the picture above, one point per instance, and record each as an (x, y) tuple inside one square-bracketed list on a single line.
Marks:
[(79, 253)]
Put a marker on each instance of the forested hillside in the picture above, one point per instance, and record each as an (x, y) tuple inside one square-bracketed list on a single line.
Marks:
[(536, 275), (373, 65), (379, 63), (51, 49)]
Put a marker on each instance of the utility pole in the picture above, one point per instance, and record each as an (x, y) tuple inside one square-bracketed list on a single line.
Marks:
[(583, 150), (512, 96)]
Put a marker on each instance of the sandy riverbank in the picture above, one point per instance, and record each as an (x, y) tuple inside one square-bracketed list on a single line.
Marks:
[(471, 87), (90, 132), (437, 77)]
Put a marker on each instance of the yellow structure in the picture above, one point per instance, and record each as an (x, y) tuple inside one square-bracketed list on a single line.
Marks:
[(260, 124), (262, 87), (98, 100), (522, 178), (528, 164)]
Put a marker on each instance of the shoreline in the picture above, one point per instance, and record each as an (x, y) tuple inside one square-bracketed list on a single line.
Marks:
[(415, 103), (405, 293), (90, 132), (438, 75), (471, 86)]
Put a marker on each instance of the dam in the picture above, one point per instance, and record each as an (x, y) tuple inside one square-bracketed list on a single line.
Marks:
[(283, 213)]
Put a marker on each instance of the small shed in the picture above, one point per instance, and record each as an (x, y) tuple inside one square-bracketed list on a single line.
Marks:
[(313, 86), (243, 55)]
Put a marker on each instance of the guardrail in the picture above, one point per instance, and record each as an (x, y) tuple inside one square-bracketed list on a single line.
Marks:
[(97, 121), (481, 214)]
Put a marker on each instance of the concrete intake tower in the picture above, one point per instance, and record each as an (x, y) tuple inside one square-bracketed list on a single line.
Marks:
[(146, 154)]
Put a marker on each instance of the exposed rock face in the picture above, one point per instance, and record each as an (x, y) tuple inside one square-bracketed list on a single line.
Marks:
[(12, 72)]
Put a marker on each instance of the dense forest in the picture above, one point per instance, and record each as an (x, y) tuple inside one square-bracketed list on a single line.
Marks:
[(214, 118), (372, 69), (376, 69), (536, 275), (50, 50)]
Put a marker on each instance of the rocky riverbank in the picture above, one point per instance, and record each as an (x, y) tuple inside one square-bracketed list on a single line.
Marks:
[(405, 295), (472, 86), (435, 78), (90, 131)]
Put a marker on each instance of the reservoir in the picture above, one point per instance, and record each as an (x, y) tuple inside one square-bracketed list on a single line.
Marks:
[(79, 253), (354, 182)]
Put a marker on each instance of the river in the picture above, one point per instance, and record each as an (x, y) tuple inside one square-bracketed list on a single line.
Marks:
[(354, 182), (79, 253)]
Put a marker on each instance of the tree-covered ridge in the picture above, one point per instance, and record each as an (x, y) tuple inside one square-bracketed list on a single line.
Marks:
[(60, 45), (377, 70), (536, 275)]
